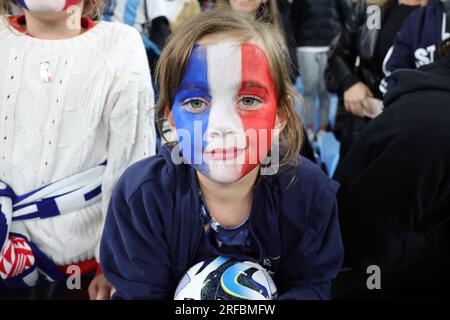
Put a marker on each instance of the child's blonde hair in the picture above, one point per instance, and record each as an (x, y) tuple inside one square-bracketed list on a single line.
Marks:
[(92, 8), (174, 58)]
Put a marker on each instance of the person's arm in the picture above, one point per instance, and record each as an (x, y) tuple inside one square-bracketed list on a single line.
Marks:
[(324, 263), (343, 58), (401, 54), (134, 253), (344, 9)]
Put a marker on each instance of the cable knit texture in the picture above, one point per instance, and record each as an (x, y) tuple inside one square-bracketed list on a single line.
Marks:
[(99, 105)]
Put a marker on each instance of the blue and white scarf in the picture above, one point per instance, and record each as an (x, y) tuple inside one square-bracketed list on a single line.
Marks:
[(62, 197)]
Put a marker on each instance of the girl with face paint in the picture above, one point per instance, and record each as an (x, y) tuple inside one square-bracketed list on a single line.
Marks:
[(54, 19), (225, 91), (76, 109)]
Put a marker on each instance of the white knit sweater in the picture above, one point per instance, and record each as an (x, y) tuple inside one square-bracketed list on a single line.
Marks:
[(99, 105)]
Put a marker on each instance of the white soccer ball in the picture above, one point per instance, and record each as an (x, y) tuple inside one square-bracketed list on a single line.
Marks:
[(225, 278)]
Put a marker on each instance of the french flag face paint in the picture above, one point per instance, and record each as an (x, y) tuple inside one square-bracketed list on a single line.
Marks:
[(225, 110), (47, 5)]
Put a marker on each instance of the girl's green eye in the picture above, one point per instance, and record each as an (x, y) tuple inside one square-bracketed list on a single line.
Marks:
[(196, 104), (249, 102)]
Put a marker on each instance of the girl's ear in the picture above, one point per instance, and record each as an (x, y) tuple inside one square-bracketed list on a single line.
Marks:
[(168, 129), (169, 115), (169, 136), (280, 123)]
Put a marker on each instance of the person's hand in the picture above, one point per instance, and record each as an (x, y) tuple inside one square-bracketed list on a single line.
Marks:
[(100, 288), (356, 99)]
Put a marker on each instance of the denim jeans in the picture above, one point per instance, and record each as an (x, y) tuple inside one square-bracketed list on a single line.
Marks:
[(312, 67)]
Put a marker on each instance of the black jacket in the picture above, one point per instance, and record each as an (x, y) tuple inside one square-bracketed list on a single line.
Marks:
[(394, 199), (358, 40), (317, 22), (284, 8)]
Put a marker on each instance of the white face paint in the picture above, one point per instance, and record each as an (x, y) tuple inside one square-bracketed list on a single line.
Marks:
[(47, 5), (225, 136)]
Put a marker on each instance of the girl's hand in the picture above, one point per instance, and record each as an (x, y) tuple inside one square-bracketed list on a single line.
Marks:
[(100, 288), (356, 99)]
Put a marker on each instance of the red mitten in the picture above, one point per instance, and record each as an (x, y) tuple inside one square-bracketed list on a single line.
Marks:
[(16, 258)]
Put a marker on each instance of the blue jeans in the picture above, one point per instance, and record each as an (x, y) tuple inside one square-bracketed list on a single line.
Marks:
[(312, 67)]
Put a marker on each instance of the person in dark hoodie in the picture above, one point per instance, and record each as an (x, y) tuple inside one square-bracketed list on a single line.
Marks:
[(395, 187), (220, 73), (418, 38)]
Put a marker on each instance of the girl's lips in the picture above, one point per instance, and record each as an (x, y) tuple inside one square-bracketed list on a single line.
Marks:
[(224, 154)]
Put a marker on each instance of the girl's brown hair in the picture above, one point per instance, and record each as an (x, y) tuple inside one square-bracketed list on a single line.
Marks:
[(174, 58), (92, 8), (267, 12)]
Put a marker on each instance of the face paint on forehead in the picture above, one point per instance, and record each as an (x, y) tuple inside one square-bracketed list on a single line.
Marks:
[(218, 78), (47, 5)]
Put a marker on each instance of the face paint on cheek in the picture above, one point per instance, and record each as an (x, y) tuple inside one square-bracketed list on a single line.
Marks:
[(257, 81), (47, 5), (190, 126)]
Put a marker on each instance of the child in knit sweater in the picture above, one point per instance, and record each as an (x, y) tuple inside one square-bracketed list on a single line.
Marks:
[(76, 107)]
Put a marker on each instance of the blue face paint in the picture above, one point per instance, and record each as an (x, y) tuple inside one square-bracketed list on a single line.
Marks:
[(22, 3), (191, 126)]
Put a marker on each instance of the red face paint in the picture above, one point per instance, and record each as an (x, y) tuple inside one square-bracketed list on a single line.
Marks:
[(71, 3), (257, 81)]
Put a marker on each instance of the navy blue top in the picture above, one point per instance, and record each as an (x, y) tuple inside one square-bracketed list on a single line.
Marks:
[(416, 41), (154, 233), (237, 237)]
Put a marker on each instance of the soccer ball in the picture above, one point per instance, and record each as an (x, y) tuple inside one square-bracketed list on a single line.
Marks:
[(225, 278)]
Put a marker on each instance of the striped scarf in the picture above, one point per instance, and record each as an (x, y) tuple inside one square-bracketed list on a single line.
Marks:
[(22, 264)]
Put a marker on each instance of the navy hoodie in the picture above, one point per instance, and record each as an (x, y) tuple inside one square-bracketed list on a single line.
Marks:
[(395, 184), (154, 233), (417, 40)]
